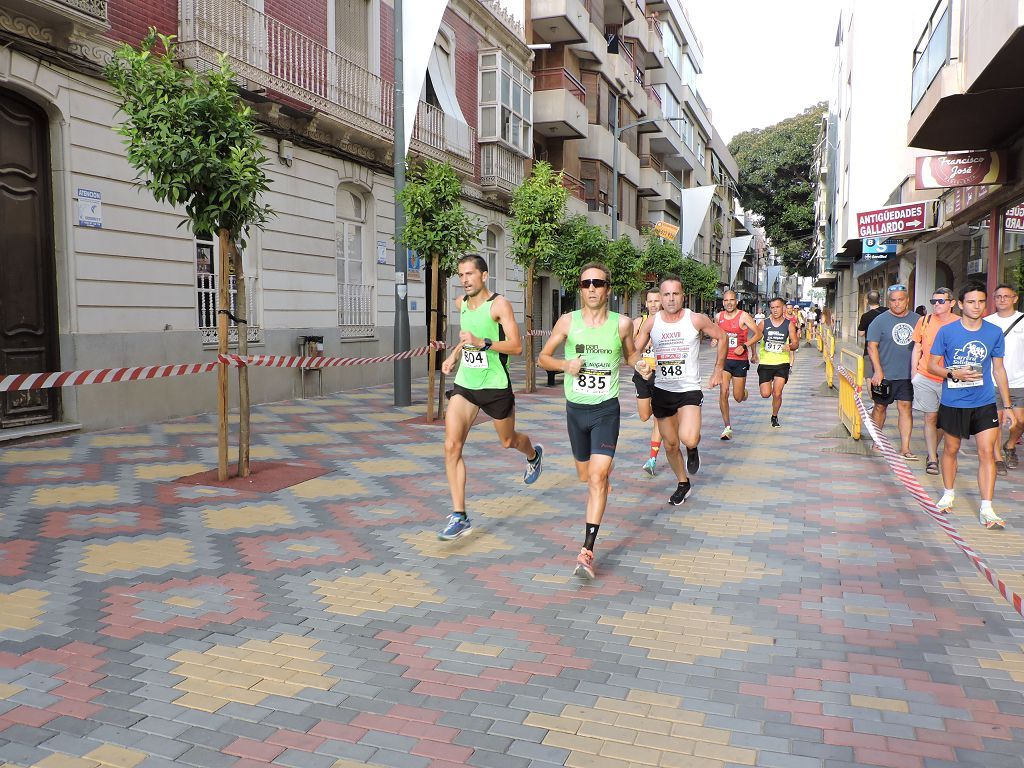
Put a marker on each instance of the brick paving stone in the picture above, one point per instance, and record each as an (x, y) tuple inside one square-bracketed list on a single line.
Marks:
[(829, 623)]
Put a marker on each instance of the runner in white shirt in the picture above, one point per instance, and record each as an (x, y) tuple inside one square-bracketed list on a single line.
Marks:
[(674, 333), (1011, 322)]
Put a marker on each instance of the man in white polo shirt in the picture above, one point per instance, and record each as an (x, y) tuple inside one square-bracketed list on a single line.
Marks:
[(1009, 319)]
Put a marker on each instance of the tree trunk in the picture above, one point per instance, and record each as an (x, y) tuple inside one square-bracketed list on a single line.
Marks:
[(531, 385), (223, 303), (432, 336), (242, 313)]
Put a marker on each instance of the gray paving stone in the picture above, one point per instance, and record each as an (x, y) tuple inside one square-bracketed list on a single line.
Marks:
[(201, 757), (538, 752)]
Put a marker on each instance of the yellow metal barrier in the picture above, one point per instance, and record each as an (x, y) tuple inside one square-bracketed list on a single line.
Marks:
[(848, 413), (830, 368)]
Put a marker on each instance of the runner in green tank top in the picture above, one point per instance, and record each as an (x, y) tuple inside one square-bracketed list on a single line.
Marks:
[(596, 342), (488, 335)]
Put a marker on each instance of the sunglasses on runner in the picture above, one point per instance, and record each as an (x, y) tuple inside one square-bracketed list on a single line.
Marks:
[(938, 301), (593, 282), (897, 287)]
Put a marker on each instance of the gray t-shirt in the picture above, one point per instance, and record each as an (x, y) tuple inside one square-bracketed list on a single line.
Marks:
[(895, 338)]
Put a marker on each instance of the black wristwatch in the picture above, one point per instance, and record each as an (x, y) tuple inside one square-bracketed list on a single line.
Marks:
[(487, 344), (949, 374)]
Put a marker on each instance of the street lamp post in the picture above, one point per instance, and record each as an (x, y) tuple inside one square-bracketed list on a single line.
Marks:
[(617, 132), (403, 368)]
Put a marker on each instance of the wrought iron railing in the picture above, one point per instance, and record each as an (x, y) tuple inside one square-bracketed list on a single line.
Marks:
[(500, 167), (356, 313), (558, 77), (206, 302)]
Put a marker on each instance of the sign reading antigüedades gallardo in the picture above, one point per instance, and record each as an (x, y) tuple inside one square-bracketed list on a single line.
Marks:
[(897, 219)]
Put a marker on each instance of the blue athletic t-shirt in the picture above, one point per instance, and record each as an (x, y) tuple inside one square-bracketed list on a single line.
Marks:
[(960, 347)]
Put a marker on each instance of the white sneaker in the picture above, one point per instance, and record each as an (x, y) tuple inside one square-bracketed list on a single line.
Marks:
[(945, 503), (726, 434), (990, 520)]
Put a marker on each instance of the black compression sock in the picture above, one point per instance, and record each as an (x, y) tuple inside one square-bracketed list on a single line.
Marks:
[(590, 538)]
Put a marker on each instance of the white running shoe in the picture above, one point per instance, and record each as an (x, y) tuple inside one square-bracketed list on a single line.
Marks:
[(945, 503), (990, 520), (726, 433)]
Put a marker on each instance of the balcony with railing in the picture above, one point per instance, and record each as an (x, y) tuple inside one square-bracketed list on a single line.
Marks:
[(559, 103), (356, 312), (206, 302), (651, 178), (560, 21), (931, 53), (501, 169), (272, 57), (61, 14)]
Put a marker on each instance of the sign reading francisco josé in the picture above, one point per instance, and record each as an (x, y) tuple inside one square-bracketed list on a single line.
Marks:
[(962, 169), (897, 219)]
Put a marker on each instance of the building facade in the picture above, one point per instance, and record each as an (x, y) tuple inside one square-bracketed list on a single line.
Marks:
[(101, 276)]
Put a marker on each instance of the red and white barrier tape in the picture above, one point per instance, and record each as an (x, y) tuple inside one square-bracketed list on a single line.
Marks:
[(902, 471), (23, 381), (536, 332)]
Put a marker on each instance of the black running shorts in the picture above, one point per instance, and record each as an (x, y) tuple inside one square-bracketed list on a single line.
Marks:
[(592, 428), (644, 387), (496, 403), (665, 404), (765, 373), (964, 422), (737, 368)]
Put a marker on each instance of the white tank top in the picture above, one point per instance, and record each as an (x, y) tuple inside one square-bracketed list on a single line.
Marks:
[(675, 347)]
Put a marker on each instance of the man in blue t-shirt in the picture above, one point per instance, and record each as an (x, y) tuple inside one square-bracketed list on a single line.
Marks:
[(969, 354)]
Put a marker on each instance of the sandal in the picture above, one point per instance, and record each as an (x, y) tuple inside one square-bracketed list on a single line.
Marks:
[(908, 456), (932, 467)]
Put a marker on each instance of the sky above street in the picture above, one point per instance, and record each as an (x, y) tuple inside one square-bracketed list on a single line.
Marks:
[(763, 61)]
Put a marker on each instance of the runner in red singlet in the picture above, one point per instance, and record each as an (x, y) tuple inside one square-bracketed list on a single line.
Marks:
[(742, 334)]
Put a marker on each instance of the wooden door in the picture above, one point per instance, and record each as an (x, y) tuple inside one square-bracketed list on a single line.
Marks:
[(28, 333)]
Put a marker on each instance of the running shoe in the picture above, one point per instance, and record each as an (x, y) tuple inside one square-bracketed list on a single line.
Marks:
[(945, 503), (726, 433), (458, 525), (585, 565), (692, 461), (775, 421), (1011, 458), (990, 520), (1001, 468), (682, 492), (534, 468), (649, 466)]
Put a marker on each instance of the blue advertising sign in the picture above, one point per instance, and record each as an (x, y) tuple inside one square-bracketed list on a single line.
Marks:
[(878, 248)]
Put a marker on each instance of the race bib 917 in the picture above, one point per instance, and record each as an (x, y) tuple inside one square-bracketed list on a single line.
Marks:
[(773, 346), (474, 358)]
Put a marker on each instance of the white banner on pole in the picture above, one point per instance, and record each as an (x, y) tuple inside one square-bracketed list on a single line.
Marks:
[(421, 22), (696, 202), (737, 249)]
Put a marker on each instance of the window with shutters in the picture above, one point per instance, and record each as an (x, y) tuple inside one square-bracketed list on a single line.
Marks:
[(355, 278), (353, 32)]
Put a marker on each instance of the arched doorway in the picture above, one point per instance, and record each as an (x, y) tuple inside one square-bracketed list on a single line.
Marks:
[(28, 304)]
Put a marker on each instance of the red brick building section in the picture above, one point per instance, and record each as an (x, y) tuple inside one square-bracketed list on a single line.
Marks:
[(130, 20)]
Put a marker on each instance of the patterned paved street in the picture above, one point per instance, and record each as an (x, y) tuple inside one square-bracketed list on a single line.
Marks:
[(797, 611)]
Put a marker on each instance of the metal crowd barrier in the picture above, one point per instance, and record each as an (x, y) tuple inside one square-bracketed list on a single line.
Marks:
[(849, 415)]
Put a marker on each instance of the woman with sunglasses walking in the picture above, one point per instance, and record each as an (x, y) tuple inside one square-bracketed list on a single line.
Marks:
[(597, 341)]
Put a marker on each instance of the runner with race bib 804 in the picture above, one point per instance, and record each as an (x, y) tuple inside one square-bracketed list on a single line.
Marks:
[(596, 342), (674, 333)]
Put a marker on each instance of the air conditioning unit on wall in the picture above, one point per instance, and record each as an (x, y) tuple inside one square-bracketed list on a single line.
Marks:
[(974, 267)]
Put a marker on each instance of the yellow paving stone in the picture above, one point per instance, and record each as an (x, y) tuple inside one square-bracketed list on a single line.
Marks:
[(866, 610), (520, 505), (120, 441), (429, 450), (168, 471), (641, 723), (728, 754), (989, 544), (21, 608), (183, 602), (354, 596), (572, 742), (328, 488), (386, 416), (699, 733), (243, 696), (135, 555), (665, 743), (607, 732), (189, 429), (710, 567), (387, 466), (235, 679), (675, 715), (876, 702), (8, 689), (552, 723), (427, 544), (583, 760), (349, 427), (728, 526), (309, 548), (654, 699), (241, 518), (479, 649), (121, 757), (35, 455), (631, 752), (622, 707), (590, 715), (291, 409), (202, 702), (550, 578), (264, 452), (675, 760), (307, 438), (73, 495), (57, 760), (1010, 662)]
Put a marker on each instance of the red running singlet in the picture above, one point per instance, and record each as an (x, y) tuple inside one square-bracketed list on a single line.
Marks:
[(736, 334)]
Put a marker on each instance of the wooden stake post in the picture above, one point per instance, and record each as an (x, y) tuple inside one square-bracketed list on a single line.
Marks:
[(223, 303), (241, 312)]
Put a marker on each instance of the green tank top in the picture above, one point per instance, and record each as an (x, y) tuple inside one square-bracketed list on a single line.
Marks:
[(479, 369), (774, 349), (601, 350)]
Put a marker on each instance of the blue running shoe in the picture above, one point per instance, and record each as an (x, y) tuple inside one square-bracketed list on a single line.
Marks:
[(649, 466), (534, 468), (457, 525)]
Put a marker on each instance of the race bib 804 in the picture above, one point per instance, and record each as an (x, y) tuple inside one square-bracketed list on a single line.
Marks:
[(474, 358)]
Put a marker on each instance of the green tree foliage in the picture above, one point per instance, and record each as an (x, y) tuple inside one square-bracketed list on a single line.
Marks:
[(659, 257), (436, 223), (190, 138), (775, 184), (625, 264), (699, 280), (578, 241), (538, 207)]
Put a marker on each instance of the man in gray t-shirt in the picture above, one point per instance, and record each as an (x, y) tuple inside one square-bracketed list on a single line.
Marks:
[(890, 346)]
